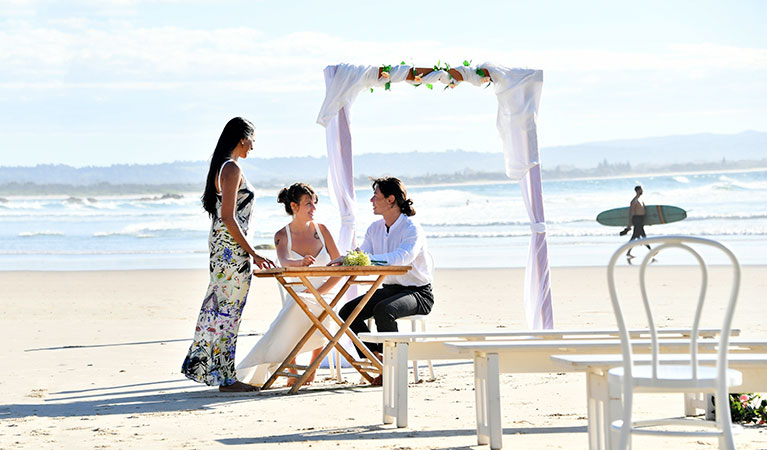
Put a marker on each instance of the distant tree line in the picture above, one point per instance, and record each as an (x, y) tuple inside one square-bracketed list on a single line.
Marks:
[(603, 169)]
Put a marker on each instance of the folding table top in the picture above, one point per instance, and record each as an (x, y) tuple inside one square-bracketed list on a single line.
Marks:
[(330, 271)]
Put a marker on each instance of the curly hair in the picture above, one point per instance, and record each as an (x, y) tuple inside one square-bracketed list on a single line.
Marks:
[(293, 194)]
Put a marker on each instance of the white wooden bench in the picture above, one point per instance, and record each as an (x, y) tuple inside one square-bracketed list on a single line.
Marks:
[(399, 348), (604, 406), (534, 356)]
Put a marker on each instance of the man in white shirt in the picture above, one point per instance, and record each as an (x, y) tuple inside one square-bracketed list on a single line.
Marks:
[(399, 241)]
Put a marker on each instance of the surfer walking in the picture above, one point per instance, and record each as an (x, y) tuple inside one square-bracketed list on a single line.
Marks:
[(636, 218)]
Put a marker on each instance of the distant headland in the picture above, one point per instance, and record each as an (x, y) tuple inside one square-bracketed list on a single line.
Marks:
[(670, 154)]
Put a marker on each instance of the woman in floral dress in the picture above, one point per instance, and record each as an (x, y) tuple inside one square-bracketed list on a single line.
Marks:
[(228, 198)]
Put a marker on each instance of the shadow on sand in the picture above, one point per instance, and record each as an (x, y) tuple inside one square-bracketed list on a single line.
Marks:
[(123, 344), (178, 395), (376, 432), (150, 397)]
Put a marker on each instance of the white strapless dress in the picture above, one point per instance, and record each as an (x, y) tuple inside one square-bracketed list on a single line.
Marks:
[(288, 327)]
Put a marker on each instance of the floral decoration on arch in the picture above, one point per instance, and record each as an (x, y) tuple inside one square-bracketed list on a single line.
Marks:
[(439, 68)]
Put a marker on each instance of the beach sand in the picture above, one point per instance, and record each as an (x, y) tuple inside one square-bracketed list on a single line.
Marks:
[(92, 360)]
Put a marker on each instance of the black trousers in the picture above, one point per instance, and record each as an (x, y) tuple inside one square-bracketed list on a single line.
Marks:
[(387, 304)]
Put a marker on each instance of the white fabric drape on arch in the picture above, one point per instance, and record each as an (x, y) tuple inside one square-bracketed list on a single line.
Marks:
[(518, 92)]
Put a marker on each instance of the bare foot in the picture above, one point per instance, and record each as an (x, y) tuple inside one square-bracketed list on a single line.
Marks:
[(238, 386), (291, 380)]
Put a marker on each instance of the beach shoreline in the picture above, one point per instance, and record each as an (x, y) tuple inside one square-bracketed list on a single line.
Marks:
[(96, 359), (468, 226)]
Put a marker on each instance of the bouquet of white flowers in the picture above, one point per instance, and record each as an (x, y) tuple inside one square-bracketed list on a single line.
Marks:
[(356, 258)]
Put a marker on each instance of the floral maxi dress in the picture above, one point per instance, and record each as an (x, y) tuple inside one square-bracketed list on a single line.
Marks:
[(211, 356)]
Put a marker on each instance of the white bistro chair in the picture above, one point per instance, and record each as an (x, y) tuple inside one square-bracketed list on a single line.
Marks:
[(686, 378)]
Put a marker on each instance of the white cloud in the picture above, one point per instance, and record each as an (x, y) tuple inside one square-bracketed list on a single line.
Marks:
[(125, 55), (675, 58), (17, 8)]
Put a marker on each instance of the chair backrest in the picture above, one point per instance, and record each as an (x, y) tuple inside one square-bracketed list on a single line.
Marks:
[(658, 245)]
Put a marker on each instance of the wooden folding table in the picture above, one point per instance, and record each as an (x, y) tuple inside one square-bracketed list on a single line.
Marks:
[(289, 277)]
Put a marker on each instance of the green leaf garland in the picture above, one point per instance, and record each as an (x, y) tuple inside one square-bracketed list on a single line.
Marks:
[(386, 70)]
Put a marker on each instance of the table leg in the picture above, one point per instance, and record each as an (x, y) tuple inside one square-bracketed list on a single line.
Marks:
[(355, 340), (315, 364), (317, 325), (343, 329)]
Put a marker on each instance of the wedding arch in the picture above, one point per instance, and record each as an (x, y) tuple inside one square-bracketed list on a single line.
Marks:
[(518, 92)]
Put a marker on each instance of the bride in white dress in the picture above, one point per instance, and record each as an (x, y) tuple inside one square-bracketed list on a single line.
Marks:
[(301, 243)]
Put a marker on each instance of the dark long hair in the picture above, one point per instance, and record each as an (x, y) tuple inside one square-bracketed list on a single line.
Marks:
[(234, 131), (293, 194), (393, 186)]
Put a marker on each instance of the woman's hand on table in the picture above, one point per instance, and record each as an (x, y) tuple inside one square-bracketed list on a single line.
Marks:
[(308, 260), (263, 263)]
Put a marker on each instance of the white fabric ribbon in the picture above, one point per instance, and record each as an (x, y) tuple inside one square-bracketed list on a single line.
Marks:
[(538, 227)]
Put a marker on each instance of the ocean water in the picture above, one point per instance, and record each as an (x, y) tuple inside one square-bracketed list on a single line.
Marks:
[(468, 225)]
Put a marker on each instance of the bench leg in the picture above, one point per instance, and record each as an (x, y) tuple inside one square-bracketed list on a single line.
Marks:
[(400, 383), (395, 383), (695, 401), (480, 387), (709, 406), (494, 401), (597, 398), (389, 406), (613, 411), (488, 400), (415, 363), (689, 403)]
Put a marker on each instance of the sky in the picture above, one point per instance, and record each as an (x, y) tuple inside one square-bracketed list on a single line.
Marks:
[(100, 82)]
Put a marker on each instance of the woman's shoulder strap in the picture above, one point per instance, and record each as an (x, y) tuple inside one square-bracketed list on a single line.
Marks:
[(290, 240), (318, 229), (221, 171)]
